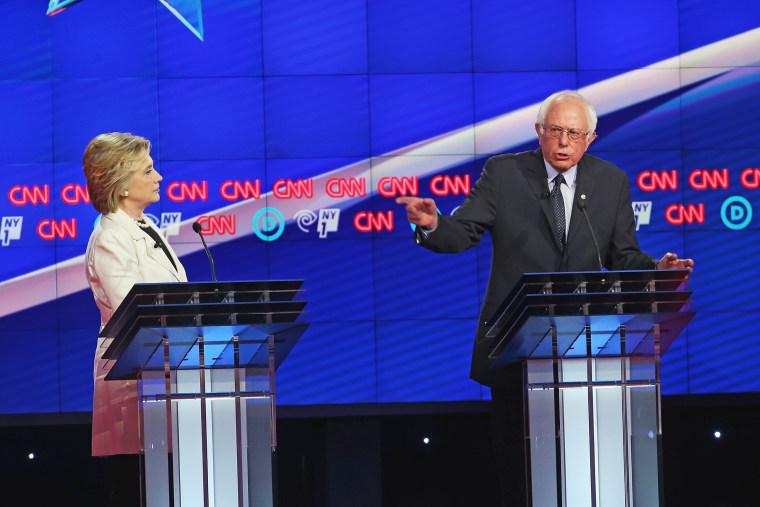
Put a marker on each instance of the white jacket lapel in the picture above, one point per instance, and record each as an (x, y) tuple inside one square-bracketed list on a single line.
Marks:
[(155, 254)]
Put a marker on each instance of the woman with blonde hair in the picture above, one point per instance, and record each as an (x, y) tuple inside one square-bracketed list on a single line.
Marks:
[(125, 248)]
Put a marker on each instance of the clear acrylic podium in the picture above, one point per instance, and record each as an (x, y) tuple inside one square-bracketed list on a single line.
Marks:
[(204, 356), (590, 344)]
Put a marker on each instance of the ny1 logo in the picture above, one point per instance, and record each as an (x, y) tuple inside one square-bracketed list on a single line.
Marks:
[(169, 222), (327, 220), (10, 228), (642, 213)]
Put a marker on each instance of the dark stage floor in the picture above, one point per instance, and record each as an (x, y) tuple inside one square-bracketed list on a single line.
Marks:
[(364, 457)]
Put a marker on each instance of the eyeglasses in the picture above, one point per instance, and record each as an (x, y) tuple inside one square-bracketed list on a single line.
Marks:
[(572, 134)]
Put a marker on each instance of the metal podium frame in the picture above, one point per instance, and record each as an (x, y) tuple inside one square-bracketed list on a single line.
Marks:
[(590, 344), (205, 356)]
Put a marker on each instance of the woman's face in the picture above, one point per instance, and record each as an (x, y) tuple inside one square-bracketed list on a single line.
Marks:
[(143, 188)]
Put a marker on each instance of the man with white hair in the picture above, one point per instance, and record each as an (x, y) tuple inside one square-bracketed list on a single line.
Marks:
[(527, 203)]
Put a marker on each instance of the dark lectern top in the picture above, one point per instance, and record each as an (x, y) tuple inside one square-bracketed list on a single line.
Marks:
[(206, 325), (619, 309)]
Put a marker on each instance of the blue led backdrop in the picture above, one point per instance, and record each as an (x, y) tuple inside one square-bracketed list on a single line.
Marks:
[(288, 127)]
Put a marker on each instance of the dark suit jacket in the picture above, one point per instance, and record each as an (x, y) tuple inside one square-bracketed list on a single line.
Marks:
[(510, 200)]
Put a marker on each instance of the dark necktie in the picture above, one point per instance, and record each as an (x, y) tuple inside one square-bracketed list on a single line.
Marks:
[(559, 210)]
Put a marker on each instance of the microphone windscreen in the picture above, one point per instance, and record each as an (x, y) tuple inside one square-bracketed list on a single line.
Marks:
[(197, 227)]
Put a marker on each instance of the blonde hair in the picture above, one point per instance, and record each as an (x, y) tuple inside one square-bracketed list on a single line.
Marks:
[(108, 163)]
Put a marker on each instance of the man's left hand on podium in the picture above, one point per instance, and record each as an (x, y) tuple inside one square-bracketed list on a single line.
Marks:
[(671, 261)]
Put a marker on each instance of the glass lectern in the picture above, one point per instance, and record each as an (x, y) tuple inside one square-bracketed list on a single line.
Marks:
[(205, 356), (591, 344)]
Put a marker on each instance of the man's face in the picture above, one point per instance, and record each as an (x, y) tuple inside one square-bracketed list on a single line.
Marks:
[(563, 153)]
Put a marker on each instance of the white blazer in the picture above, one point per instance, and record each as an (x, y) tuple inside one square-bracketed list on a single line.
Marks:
[(120, 254)]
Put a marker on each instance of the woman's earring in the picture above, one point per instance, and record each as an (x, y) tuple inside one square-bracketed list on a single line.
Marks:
[(126, 193)]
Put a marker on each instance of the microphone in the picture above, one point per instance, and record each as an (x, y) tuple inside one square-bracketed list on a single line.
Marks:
[(197, 228), (582, 206)]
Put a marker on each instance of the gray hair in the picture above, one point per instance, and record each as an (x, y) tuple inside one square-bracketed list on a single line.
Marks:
[(547, 103)]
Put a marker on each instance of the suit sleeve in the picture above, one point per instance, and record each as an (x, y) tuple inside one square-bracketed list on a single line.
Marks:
[(625, 252), (465, 228), (115, 263)]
